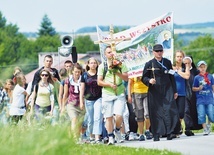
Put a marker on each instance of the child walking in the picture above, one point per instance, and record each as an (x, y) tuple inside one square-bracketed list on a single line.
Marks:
[(18, 106), (203, 85)]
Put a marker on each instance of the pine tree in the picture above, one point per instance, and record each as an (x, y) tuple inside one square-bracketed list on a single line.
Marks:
[(46, 27), (2, 21)]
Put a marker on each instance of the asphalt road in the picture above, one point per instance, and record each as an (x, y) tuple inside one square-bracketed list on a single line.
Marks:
[(194, 145)]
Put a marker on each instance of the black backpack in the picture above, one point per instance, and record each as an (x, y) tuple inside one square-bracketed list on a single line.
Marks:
[(105, 69)]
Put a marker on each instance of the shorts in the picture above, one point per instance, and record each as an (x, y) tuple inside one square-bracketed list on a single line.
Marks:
[(203, 111), (75, 111), (140, 106), (113, 105)]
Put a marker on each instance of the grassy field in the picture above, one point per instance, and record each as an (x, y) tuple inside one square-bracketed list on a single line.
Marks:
[(23, 139)]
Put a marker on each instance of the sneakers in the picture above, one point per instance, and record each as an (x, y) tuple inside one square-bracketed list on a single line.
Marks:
[(131, 136), (141, 138), (105, 140), (148, 135), (209, 127), (98, 141), (118, 137), (110, 141), (136, 136), (206, 132), (123, 136)]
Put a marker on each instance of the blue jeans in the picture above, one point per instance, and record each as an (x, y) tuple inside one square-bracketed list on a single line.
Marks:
[(91, 107), (55, 118), (98, 117), (204, 110)]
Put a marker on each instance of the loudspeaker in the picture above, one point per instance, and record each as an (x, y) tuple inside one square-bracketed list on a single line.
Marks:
[(67, 41)]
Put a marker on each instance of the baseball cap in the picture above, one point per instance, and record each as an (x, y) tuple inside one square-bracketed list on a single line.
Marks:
[(158, 47), (202, 62)]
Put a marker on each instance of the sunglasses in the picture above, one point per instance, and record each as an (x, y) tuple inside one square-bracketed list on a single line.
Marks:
[(46, 75), (159, 51)]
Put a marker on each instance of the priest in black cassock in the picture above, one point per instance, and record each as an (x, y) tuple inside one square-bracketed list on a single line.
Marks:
[(163, 112)]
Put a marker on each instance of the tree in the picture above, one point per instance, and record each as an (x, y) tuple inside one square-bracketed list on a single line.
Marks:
[(46, 27), (202, 49), (47, 44), (84, 44), (2, 21)]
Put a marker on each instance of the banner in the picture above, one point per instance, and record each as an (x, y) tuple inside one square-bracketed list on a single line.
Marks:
[(137, 51)]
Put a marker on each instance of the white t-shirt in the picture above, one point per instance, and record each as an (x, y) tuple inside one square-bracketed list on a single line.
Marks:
[(28, 90), (18, 104)]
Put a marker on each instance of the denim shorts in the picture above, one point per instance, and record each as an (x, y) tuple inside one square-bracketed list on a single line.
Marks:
[(113, 105), (203, 111)]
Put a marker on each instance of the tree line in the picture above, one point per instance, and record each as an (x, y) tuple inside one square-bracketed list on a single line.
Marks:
[(17, 50)]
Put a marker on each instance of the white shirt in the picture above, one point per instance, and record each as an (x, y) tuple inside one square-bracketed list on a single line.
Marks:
[(17, 106)]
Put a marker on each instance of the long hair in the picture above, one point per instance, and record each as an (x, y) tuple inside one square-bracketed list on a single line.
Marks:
[(50, 78), (178, 51), (92, 58), (8, 81)]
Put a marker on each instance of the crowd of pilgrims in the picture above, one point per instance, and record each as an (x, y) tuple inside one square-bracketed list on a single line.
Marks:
[(73, 93)]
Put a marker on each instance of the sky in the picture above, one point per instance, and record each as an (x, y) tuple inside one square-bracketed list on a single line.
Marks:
[(71, 15)]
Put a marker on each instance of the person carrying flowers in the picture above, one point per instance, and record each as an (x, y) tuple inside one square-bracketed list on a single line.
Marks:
[(113, 97)]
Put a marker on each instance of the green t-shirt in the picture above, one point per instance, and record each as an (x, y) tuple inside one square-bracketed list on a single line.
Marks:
[(109, 77)]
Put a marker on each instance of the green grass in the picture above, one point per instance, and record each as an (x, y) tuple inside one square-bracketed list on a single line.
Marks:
[(24, 139)]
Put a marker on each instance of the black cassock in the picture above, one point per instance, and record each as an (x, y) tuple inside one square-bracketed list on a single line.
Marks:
[(191, 116), (163, 111)]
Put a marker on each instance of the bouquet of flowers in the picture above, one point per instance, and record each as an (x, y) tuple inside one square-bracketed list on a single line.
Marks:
[(115, 66)]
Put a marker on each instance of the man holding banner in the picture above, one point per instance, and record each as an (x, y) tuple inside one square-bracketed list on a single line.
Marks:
[(158, 76)]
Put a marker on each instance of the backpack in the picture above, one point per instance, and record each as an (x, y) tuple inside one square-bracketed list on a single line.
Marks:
[(105, 69)]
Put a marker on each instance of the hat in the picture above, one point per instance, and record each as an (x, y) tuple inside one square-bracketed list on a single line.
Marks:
[(158, 47), (202, 62)]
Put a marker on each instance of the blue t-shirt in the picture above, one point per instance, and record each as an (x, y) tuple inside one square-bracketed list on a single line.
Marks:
[(180, 84), (204, 96)]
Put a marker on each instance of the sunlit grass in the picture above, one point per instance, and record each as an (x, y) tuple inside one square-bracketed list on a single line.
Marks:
[(45, 139)]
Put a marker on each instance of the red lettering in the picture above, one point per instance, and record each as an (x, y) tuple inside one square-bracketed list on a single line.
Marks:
[(168, 19), (162, 21), (157, 23), (132, 34), (153, 26), (122, 37), (144, 30)]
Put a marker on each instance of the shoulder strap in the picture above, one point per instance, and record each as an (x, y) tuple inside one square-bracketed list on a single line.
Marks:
[(69, 81), (105, 69), (37, 87), (85, 75)]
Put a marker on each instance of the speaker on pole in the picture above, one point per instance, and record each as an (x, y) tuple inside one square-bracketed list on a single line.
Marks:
[(74, 54), (67, 49)]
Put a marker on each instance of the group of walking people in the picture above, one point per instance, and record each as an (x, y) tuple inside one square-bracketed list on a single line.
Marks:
[(103, 103)]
